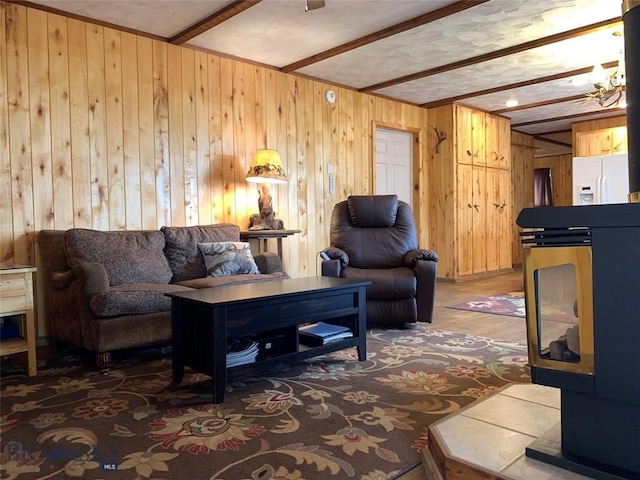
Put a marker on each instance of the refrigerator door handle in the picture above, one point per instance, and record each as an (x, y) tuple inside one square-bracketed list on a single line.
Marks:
[(602, 190)]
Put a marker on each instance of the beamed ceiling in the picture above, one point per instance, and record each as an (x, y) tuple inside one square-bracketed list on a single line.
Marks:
[(426, 52)]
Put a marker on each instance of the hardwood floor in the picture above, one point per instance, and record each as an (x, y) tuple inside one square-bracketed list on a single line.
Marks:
[(475, 323)]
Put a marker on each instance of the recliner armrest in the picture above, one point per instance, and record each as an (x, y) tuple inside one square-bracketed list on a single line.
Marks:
[(335, 253), (338, 259), (412, 257), (331, 268)]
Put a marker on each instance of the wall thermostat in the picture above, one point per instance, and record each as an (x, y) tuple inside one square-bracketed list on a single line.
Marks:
[(330, 96)]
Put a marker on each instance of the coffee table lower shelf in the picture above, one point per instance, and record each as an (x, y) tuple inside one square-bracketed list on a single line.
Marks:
[(203, 321)]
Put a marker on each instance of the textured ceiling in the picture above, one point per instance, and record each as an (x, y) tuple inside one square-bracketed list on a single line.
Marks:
[(465, 49)]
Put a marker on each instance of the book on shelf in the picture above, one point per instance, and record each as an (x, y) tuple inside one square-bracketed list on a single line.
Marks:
[(241, 351), (321, 333)]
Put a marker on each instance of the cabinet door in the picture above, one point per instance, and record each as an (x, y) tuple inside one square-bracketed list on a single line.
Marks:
[(479, 220), (464, 133), (498, 141), (504, 142), (494, 218), (464, 220), (499, 223), (470, 129), (597, 142), (505, 229), (478, 131), (492, 141), (619, 140)]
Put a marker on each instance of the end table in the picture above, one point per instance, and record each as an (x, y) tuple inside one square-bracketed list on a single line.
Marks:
[(16, 299), (263, 237)]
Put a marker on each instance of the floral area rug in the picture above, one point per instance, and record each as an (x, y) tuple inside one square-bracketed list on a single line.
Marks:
[(510, 304), (329, 417)]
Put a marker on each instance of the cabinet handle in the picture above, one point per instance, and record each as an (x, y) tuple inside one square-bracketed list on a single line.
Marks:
[(495, 156), (474, 155), (477, 207), (497, 205), (469, 205), (503, 205)]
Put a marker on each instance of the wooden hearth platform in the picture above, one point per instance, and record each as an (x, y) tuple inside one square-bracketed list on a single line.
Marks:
[(487, 439)]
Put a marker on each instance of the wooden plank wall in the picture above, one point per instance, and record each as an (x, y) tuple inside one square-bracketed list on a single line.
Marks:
[(443, 194), (522, 152), (109, 130)]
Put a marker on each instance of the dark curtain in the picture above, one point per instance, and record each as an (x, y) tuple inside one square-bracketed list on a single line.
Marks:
[(542, 187)]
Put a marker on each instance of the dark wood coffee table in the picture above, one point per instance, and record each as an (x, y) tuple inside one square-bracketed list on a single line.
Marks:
[(204, 319)]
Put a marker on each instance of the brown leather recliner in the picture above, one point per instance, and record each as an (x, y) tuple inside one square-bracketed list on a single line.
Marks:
[(373, 237)]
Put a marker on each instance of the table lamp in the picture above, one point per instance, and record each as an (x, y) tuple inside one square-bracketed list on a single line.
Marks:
[(266, 168)]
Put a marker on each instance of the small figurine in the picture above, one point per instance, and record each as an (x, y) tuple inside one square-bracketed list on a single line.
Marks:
[(266, 219)]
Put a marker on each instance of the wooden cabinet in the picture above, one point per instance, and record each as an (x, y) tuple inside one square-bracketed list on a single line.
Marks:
[(464, 221), (471, 226), (619, 140), (498, 141), (606, 141), (16, 301), (471, 136), (499, 215)]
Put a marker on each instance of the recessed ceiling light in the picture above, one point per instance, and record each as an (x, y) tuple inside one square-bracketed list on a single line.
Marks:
[(511, 103)]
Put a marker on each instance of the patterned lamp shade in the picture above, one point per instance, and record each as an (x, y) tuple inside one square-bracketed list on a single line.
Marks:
[(266, 168)]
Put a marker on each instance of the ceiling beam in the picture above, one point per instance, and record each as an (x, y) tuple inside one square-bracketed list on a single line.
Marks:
[(555, 132), (553, 142), (542, 103), (212, 20), (526, 83), (569, 117), (384, 33), (539, 42)]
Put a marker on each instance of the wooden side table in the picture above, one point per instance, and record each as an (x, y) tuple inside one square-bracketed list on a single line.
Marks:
[(263, 237), (16, 298)]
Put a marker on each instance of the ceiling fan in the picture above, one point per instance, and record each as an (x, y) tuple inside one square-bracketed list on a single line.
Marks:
[(313, 4)]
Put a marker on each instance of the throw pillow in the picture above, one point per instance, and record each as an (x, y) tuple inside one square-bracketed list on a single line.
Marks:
[(228, 258)]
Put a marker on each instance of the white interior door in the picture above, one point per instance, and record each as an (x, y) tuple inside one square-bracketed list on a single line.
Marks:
[(394, 156)]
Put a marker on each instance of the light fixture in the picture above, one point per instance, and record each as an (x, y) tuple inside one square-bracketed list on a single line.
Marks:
[(266, 168), (511, 103), (609, 86)]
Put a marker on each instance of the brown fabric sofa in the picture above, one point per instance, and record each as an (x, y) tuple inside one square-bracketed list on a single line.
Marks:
[(106, 289), (373, 237)]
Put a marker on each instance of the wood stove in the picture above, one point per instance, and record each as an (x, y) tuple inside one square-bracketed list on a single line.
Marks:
[(582, 292)]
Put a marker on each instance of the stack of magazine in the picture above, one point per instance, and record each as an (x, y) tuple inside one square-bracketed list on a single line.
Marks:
[(322, 333), (240, 351)]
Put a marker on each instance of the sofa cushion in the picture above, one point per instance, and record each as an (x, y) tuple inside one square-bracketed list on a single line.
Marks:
[(181, 247), (129, 257), (209, 282), (133, 299), (228, 258)]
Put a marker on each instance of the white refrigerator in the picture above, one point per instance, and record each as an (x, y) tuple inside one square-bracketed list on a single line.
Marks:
[(598, 180)]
